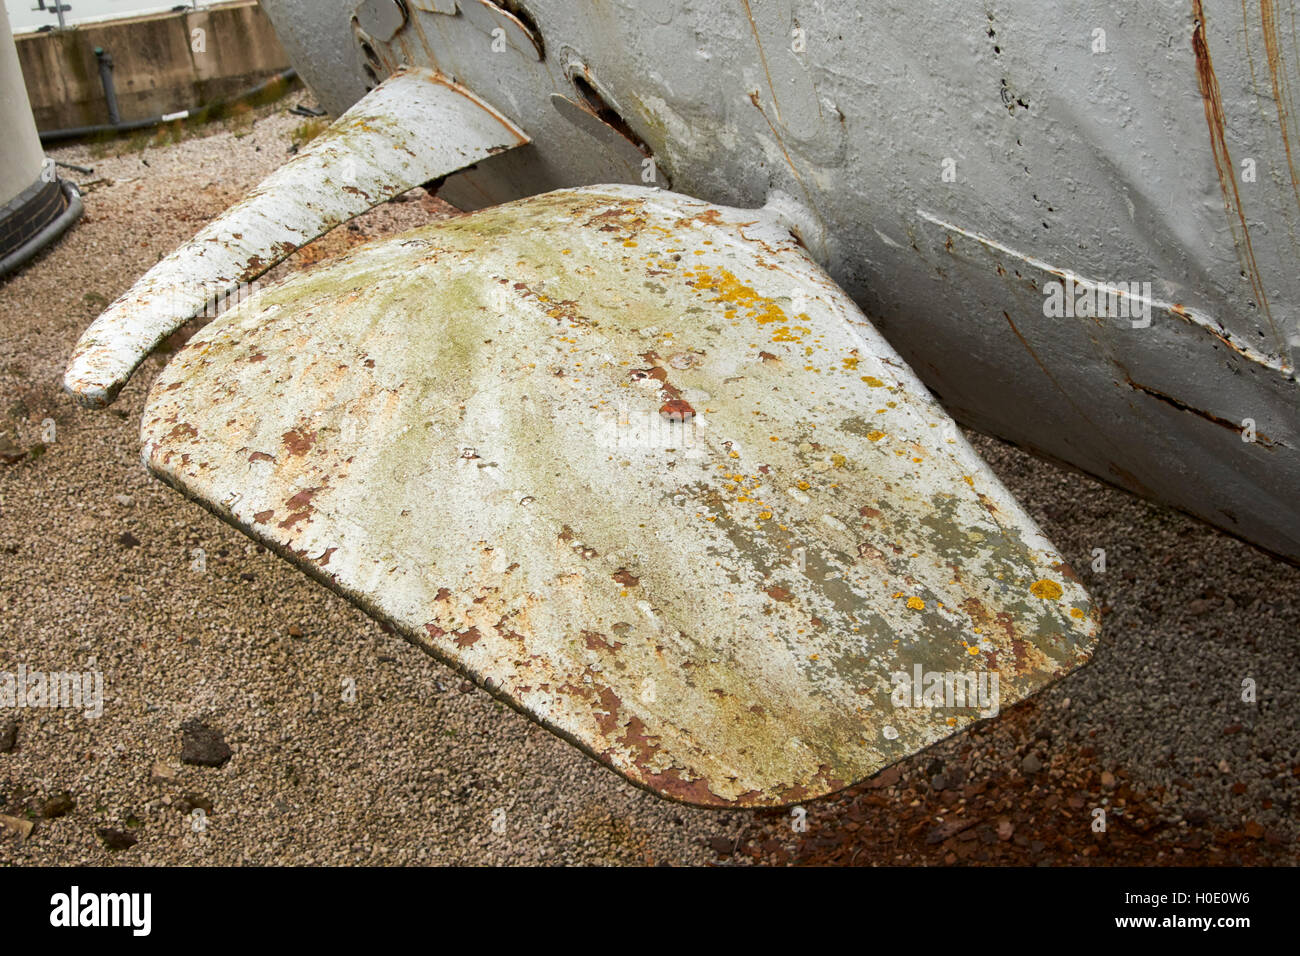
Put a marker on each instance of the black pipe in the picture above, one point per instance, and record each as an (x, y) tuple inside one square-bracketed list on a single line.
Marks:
[(79, 132), (47, 235), (106, 79)]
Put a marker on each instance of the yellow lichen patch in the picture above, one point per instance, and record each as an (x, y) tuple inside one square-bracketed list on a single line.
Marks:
[(1077, 613), (731, 290), (916, 604), (873, 381), (875, 435), (1045, 589)]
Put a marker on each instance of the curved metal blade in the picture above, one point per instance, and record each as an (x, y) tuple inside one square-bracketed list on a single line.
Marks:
[(639, 467), (415, 126)]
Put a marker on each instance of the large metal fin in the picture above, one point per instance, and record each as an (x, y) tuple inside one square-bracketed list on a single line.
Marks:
[(414, 127), (638, 466)]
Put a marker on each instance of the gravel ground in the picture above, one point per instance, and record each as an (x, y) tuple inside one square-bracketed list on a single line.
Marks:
[(244, 668)]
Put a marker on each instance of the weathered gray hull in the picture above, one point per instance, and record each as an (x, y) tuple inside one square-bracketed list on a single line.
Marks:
[(955, 160)]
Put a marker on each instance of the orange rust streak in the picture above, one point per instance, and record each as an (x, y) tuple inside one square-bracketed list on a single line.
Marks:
[(1277, 71), (763, 56), (1250, 59), (753, 98), (414, 22), (1214, 118)]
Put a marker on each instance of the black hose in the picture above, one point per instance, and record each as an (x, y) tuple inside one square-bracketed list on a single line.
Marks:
[(80, 132), (47, 235)]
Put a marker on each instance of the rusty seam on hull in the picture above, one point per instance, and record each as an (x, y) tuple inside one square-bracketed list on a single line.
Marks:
[(1182, 406), (1192, 318)]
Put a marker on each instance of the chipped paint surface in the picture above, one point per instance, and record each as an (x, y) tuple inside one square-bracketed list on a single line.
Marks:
[(415, 127), (637, 466)]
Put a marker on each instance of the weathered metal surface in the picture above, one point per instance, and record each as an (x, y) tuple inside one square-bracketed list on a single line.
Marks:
[(1156, 147), (638, 466), (413, 128)]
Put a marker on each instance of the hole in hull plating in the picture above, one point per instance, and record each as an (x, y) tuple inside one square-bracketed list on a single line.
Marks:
[(520, 13), (610, 116)]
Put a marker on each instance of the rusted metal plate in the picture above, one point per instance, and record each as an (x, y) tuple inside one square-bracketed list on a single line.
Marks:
[(414, 127), (636, 465)]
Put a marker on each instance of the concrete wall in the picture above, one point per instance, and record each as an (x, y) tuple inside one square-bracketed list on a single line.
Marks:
[(156, 68)]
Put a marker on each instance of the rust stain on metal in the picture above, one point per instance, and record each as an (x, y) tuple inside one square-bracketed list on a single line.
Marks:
[(298, 440), (677, 410), (1281, 86), (1215, 120), (762, 56)]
